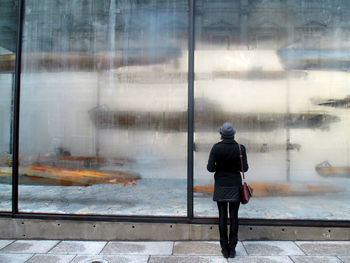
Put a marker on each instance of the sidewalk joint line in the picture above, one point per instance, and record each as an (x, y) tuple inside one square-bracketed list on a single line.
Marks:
[(29, 258), (59, 242), (107, 242), (339, 259), (246, 251), (301, 249), (13, 241), (73, 258)]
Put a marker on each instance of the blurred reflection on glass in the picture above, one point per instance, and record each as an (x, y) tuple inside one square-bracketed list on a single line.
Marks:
[(279, 71), (103, 108), (8, 41)]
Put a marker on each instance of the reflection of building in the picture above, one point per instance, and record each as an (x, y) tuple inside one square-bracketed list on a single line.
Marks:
[(266, 25), (133, 56), (255, 24)]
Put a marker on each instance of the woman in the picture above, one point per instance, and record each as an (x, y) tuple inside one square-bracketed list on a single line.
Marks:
[(224, 160)]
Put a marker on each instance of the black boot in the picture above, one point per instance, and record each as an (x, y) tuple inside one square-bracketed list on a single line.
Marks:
[(225, 249), (232, 250)]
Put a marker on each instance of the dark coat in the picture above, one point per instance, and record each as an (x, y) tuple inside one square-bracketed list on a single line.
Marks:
[(224, 160)]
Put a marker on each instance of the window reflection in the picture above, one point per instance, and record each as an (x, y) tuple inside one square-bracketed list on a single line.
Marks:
[(279, 72), (8, 40), (100, 104), (104, 104)]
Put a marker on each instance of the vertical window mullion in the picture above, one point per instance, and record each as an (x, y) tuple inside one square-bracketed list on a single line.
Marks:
[(16, 109), (190, 118)]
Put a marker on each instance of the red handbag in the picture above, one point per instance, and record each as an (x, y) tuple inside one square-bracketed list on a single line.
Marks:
[(247, 191)]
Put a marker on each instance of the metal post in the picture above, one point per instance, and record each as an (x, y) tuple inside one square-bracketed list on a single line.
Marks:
[(16, 109), (190, 118)]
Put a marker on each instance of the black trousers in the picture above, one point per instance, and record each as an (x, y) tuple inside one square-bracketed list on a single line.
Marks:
[(223, 215)]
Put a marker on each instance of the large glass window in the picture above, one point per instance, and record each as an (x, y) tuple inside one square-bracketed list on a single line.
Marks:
[(279, 71), (103, 114), (8, 41), (104, 107)]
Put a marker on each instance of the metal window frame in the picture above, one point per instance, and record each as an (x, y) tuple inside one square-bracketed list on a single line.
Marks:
[(190, 218), (16, 109), (190, 110)]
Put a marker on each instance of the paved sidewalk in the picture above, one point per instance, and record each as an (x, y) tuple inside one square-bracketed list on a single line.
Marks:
[(54, 251)]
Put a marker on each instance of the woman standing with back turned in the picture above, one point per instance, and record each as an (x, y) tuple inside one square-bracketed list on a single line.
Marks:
[(224, 160)]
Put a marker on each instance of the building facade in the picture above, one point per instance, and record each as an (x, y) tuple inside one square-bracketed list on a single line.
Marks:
[(109, 108)]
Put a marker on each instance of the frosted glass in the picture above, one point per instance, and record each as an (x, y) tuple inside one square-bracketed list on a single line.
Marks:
[(8, 38), (104, 108), (279, 71), (5, 141)]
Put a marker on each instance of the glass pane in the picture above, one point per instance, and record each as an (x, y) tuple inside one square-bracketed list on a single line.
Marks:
[(104, 107), (8, 40), (278, 70)]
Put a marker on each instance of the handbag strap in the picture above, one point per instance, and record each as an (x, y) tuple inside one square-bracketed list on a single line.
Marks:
[(240, 156)]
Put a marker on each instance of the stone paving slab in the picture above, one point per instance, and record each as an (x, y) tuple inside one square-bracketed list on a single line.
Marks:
[(345, 259), (318, 259), (78, 247), (272, 248), (141, 248), (14, 258), (186, 259), (203, 248), (321, 248), (261, 259), (197, 248), (5, 242), (211, 248), (111, 259), (46, 258), (29, 246)]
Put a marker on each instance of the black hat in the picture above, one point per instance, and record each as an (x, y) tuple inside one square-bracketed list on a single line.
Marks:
[(227, 130)]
